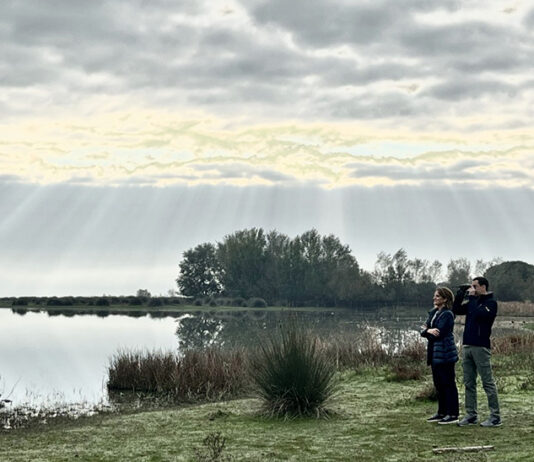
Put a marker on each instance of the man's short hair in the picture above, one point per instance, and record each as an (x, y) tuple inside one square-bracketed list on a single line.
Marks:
[(482, 281)]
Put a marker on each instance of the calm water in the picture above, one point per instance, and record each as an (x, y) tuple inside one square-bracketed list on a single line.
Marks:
[(56, 360)]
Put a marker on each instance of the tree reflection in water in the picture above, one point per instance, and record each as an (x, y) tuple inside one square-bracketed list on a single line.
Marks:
[(203, 329), (221, 328)]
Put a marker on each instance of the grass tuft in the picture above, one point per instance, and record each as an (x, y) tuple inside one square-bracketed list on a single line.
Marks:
[(212, 449), (292, 375)]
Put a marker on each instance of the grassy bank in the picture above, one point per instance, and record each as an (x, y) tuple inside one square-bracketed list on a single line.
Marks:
[(375, 419), (373, 416)]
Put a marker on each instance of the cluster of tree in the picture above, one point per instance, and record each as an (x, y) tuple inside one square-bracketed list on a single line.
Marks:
[(143, 298), (316, 270)]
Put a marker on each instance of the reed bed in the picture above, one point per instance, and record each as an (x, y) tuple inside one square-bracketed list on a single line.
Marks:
[(209, 375), (515, 343), (516, 308), (405, 363), (221, 373), (216, 374)]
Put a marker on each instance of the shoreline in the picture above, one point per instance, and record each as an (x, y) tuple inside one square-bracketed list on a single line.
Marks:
[(512, 309), (372, 419)]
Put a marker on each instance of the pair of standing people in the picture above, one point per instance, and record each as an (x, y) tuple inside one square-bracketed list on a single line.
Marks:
[(480, 310)]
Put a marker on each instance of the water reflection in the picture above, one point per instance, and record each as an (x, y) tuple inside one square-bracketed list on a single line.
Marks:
[(51, 359), (246, 328)]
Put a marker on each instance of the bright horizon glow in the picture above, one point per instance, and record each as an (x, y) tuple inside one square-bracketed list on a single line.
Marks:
[(159, 149)]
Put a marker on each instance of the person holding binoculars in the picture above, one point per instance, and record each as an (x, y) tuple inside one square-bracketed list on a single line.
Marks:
[(480, 309)]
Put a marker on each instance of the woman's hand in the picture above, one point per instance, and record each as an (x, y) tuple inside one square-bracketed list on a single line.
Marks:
[(434, 332)]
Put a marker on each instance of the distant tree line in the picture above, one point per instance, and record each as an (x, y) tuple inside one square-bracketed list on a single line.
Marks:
[(315, 270), (100, 301)]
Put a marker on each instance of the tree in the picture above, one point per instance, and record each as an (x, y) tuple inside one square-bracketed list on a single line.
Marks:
[(242, 260), (143, 293), (314, 270), (340, 271), (458, 272), (511, 280), (293, 267), (434, 271), (392, 269), (199, 272), (423, 271), (481, 266), (276, 247), (393, 273)]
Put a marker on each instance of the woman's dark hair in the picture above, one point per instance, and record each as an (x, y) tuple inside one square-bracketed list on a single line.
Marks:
[(447, 294)]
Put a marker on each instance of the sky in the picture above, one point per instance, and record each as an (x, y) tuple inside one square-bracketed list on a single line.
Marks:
[(133, 131)]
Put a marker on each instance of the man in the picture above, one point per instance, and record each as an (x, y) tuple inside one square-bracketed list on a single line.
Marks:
[(480, 310)]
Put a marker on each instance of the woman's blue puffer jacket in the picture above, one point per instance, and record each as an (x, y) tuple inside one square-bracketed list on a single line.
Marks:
[(441, 349)]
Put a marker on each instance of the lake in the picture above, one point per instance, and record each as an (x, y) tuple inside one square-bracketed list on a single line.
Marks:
[(51, 360)]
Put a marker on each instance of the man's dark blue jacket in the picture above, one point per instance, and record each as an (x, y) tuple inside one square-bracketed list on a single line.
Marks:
[(480, 312), (441, 349)]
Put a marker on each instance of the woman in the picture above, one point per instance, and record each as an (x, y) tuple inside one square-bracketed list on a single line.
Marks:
[(442, 355)]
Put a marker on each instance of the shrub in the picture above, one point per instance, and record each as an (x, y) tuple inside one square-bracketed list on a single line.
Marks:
[(134, 301), (197, 302), (292, 375), (409, 363), (406, 370), (212, 449), (102, 301), (19, 302), (238, 301), (256, 302), (155, 301), (62, 301)]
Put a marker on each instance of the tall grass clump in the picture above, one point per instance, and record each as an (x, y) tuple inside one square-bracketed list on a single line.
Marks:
[(208, 375), (522, 342), (292, 375), (516, 308)]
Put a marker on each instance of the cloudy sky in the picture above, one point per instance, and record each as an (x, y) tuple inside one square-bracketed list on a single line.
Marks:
[(132, 131)]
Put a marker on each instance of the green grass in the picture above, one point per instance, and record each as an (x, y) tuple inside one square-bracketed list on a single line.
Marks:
[(373, 420)]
